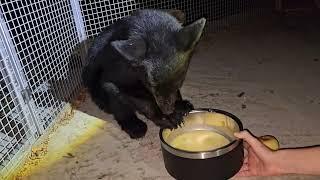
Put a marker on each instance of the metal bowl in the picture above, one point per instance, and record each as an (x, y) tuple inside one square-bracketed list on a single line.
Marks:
[(215, 163)]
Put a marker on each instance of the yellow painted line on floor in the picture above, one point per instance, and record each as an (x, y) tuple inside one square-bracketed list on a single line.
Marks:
[(63, 138)]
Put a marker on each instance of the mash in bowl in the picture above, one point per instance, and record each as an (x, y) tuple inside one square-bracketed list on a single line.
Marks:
[(199, 140), (193, 136)]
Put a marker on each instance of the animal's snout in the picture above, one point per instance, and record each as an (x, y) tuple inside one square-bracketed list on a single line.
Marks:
[(166, 103)]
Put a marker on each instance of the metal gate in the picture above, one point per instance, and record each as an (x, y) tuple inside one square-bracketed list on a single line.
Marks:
[(41, 63), (39, 71)]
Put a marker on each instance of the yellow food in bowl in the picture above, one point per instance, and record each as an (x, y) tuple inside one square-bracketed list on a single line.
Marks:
[(194, 135), (199, 140), (211, 119)]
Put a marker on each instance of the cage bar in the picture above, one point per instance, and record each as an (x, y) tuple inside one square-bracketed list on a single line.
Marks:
[(17, 130)]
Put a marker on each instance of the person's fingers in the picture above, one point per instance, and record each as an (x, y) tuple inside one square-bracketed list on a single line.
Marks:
[(246, 145), (244, 174), (253, 156), (245, 153), (252, 141), (246, 149), (246, 159), (245, 167)]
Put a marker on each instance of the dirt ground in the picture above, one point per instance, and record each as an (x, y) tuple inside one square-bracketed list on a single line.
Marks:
[(276, 65)]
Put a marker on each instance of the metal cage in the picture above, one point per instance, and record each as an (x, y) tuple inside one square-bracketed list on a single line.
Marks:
[(41, 62)]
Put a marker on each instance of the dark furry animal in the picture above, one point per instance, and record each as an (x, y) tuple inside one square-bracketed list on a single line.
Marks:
[(139, 64)]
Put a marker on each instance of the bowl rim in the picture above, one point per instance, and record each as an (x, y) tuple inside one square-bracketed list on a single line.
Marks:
[(204, 154)]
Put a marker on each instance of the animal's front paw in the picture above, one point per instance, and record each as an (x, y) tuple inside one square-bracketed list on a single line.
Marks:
[(183, 107), (134, 127)]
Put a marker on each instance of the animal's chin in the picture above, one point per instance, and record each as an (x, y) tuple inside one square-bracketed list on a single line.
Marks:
[(167, 109)]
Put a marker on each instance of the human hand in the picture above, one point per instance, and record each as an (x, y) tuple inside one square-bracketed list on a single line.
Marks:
[(259, 160)]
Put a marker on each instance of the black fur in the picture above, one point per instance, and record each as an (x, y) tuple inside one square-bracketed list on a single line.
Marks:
[(138, 64)]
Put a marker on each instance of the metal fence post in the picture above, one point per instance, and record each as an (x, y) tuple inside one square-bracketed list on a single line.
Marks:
[(77, 15), (16, 72)]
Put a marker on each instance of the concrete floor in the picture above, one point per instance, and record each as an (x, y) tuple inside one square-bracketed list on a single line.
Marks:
[(278, 69)]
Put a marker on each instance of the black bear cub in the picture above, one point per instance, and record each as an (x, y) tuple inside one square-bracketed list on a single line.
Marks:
[(138, 64)]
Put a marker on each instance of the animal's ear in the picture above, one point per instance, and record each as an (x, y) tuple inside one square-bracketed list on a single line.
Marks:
[(178, 14), (188, 36), (131, 49)]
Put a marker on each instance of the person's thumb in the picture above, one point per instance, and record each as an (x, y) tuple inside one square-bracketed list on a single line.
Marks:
[(253, 142)]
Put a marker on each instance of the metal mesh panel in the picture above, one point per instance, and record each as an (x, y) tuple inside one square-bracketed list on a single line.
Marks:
[(44, 36), (221, 14), (14, 130), (102, 13)]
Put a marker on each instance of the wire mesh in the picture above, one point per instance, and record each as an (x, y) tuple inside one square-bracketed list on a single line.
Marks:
[(14, 130), (45, 37), (221, 14)]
